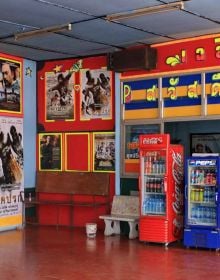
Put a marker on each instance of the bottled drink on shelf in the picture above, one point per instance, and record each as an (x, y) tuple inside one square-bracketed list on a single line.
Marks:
[(201, 195), (193, 213), (192, 194), (196, 195), (192, 177), (201, 177), (212, 195), (197, 176), (147, 185), (154, 205), (162, 186)]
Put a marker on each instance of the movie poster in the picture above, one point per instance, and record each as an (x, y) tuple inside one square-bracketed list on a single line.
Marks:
[(104, 151), (50, 151), (205, 143), (11, 169), (96, 94), (59, 95), (10, 86)]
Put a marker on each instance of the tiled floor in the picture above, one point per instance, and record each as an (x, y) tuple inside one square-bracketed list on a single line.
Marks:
[(48, 253)]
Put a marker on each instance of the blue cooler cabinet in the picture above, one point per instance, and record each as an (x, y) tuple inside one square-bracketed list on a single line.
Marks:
[(202, 202)]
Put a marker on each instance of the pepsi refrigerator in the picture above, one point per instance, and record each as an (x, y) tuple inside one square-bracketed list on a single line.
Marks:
[(161, 189), (202, 202)]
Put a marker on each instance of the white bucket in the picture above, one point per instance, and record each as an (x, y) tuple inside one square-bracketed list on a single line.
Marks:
[(91, 229)]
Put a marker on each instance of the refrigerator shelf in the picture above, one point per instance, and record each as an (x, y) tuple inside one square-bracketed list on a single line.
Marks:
[(195, 223), (202, 185), (204, 203), (154, 213), (155, 193), (155, 174)]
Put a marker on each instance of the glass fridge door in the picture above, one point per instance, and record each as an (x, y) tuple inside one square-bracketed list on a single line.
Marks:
[(153, 178), (202, 192)]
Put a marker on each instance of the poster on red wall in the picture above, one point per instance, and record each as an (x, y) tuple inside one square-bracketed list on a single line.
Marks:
[(50, 151), (104, 152), (59, 95), (10, 86), (11, 170), (81, 101), (96, 94)]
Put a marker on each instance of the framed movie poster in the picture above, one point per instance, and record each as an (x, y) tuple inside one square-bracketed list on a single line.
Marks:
[(10, 86), (59, 99), (104, 152), (205, 143), (96, 94), (11, 170), (50, 151)]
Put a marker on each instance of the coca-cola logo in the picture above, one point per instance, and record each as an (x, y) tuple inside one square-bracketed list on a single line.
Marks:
[(177, 204), (177, 172), (152, 140)]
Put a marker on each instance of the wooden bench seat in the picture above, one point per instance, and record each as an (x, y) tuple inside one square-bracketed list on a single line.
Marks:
[(125, 209), (79, 189)]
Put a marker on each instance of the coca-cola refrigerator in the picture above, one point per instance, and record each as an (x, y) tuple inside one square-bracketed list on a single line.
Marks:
[(202, 204), (161, 189)]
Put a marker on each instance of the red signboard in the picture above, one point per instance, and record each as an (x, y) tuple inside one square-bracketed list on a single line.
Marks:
[(192, 53), (157, 141)]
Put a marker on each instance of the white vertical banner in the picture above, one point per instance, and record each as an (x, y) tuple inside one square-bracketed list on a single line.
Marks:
[(11, 171)]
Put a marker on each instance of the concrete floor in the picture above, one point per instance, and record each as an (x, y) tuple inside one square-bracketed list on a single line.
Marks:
[(48, 253)]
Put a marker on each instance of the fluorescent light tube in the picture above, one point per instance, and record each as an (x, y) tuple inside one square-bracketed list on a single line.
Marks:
[(147, 11), (42, 31)]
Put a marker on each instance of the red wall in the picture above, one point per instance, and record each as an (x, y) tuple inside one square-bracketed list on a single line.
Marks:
[(76, 125), (51, 215)]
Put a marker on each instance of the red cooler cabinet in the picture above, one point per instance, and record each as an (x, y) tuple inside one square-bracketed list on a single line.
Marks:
[(161, 189)]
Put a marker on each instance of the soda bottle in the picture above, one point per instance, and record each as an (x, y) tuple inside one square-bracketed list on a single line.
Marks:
[(214, 178), (197, 176), (157, 206), (192, 177), (205, 195), (201, 194), (201, 177), (163, 167), (150, 165), (208, 195), (192, 195), (193, 213), (213, 215), (144, 206), (151, 189), (202, 214), (147, 185), (150, 206), (196, 195), (208, 215), (199, 214), (154, 167), (155, 185), (205, 214), (153, 205), (146, 166)]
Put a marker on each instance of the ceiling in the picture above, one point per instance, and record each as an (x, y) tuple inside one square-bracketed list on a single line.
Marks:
[(91, 33)]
